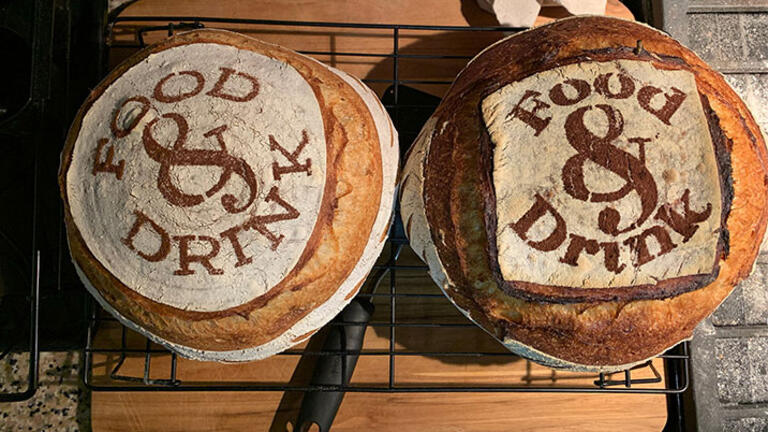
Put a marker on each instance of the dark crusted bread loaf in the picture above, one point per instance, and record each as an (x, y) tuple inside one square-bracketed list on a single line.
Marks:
[(227, 197), (587, 192)]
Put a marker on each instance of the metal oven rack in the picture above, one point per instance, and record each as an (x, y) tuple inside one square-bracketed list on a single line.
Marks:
[(390, 268)]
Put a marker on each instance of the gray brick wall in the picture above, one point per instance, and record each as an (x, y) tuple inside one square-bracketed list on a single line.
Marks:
[(748, 304)]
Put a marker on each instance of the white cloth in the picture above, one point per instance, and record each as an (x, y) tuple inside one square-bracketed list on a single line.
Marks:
[(523, 13)]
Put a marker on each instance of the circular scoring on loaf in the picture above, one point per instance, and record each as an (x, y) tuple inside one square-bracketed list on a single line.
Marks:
[(194, 180)]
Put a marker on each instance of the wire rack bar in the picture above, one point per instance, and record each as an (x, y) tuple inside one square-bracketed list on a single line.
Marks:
[(289, 23), (33, 346)]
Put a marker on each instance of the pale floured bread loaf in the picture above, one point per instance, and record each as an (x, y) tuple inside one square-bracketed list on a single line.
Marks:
[(587, 192), (227, 197)]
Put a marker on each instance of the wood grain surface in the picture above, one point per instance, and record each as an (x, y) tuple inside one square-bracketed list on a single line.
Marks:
[(341, 40), (402, 412), (437, 412), (201, 411)]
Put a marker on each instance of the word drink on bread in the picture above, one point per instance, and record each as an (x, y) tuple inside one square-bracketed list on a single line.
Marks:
[(637, 175), (128, 116), (205, 172)]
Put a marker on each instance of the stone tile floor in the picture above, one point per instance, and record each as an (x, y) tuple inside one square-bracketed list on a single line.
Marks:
[(61, 404)]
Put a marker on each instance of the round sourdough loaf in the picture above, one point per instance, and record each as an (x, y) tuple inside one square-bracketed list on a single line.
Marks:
[(587, 192), (226, 197)]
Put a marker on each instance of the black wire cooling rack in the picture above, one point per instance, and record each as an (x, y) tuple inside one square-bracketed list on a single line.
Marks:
[(402, 291), (395, 264)]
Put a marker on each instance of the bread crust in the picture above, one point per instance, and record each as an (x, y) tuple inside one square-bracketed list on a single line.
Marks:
[(352, 199), (596, 330)]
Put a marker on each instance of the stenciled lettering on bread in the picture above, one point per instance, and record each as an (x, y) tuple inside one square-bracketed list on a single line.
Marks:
[(587, 192), (227, 197), (620, 183), (213, 170), (130, 114)]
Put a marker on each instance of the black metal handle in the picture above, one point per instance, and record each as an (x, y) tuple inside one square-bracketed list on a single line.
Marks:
[(320, 407)]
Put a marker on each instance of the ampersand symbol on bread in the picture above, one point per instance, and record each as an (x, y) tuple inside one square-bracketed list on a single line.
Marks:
[(178, 155), (605, 154)]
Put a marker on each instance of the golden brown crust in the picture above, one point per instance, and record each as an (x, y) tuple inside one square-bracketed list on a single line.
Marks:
[(353, 158), (598, 331)]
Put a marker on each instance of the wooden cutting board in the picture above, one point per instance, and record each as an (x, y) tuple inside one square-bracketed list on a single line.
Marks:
[(261, 411), (239, 411), (257, 411)]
